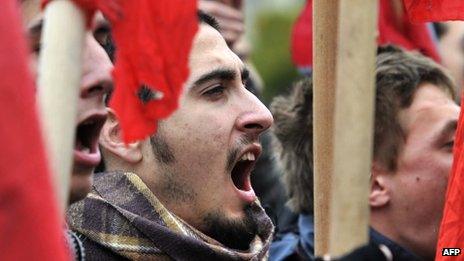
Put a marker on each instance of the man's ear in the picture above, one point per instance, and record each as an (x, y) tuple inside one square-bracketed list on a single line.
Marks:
[(111, 140), (380, 191)]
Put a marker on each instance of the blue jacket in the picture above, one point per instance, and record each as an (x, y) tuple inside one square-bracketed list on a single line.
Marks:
[(296, 245)]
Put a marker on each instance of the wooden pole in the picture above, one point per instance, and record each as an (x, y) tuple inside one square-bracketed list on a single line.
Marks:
[(325, 14), (354, 120), (60, 71)]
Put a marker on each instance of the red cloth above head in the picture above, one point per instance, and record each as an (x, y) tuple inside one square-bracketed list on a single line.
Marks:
[(434, 10), (153, 41), (30, 226), (391, 31), (400, 31), (302, 37)]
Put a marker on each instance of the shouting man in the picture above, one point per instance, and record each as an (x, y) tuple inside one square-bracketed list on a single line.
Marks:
[(95, 85), (185, 192)]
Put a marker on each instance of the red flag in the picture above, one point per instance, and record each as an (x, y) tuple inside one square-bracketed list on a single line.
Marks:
[(434, 10), (153, 41), (393, 29), (397, 29), (302, 37), (30, 228)]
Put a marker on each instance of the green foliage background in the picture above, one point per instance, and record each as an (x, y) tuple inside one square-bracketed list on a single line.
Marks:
[(271, 50)]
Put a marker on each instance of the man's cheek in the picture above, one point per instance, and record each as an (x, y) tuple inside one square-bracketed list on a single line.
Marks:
[(33, 65)]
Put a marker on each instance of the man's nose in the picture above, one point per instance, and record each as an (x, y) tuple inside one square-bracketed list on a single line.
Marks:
[(97, 67), (255, 117)]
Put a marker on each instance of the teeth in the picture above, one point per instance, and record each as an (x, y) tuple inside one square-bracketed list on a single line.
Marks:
[(251, 157), (85, 150), (248, 156)]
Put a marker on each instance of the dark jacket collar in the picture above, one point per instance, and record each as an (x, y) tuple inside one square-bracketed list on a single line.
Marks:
[(399, 253)]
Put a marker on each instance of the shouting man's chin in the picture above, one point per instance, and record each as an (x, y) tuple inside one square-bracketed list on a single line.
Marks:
[(81, 184), (235, 233)]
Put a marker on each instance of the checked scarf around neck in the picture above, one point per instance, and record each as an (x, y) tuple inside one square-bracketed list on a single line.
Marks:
[(121, 215)]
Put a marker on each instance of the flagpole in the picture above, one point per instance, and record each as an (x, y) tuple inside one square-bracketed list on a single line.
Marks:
[(60, 71), (354, 120), (325, 13)]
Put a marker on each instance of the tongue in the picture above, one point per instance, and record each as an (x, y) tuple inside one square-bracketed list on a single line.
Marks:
[(80, 147)]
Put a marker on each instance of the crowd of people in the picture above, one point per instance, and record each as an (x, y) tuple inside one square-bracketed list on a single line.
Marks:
[(226, 178)]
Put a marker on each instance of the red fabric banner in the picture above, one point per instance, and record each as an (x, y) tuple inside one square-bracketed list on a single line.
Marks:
[(397, 29), (30, 227), (153, 41), (302, 37), (434, 10), (393, 29)]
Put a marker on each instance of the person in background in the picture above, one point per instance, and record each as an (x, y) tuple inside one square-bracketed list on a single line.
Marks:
[(293, 146), (96, 83), (450, 37), (415, 125)]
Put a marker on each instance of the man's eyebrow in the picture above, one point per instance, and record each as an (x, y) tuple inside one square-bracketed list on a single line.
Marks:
[(221, 74), (449, 127)]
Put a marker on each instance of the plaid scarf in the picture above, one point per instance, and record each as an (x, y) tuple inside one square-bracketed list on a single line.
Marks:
[(121, 215)]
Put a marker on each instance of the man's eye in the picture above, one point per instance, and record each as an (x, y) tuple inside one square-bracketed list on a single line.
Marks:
[(102, 35), (449, 145), (215, 92), (245, 82)]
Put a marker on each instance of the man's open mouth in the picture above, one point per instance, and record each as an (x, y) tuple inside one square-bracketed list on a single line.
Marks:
[(86, 150), (241, 173)]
